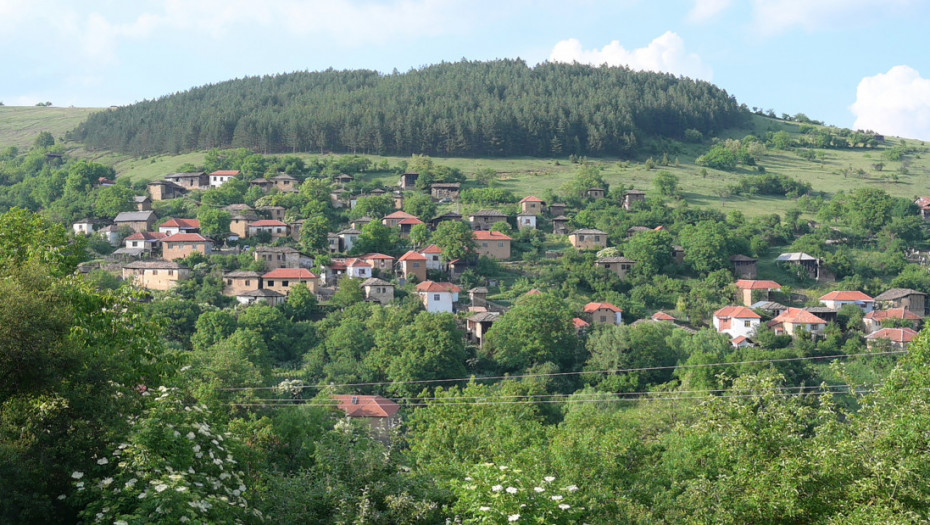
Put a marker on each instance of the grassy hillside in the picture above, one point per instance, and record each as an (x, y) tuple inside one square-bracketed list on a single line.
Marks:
[(20, 125)]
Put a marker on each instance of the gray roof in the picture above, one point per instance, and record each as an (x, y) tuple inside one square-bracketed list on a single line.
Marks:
[(897, 293), (588, 231), (441, 185), (155, 265), (350, 231), (135, 216), (261, 292), (140, 198), (479, 289), (186, 175), (796, 256), (615, 260), (741, 258), (241, 274), (276, 249), (768, 305), (635, 192), (283, 176), (485, 317), (489, 213), (560, 218), (375, 282)]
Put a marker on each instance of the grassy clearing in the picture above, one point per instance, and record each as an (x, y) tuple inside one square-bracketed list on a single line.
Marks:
[(20, 125)]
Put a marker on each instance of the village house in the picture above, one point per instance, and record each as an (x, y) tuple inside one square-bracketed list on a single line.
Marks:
[(239, 223), (349, 237), (751, 292), (604, 313), (839, 299), (631, 197), (588, 239), (282, 280), (560, 225), (493, 245), (413, 265), (285, 183), (85, 226), (276, 229), (596, 193), (875, 319), (896, 338), (379, 413), (408, 181), (147, 242), (295, 228), (155, 275), (378, 291), (736, 321), (197, 180), (526, 221), (433, 256), (398, 200), (769, 309), (275, 213), (379, 262), (477, 326), (360, 223), (485, 219), (282, 257), (137, 221), (220, 177), (581, 326), (532, 205), (333, 243), (445, 190), (829, 315), (235, 283), (110, 233), (448, 216), (181, 245), (795, 320), (809, 263), (911, 300), (142, 202), (332, 272), (262, 183), (438, 297), (163, 190), (678, 254), (620, 266), (406, 226), (358, 269), (478, 296), (343, 179), (172, 226), (556, 209), (744, 267), (269, 297), (393, 220), (923, 205)]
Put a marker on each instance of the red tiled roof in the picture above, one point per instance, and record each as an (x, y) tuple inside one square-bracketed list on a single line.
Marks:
[(226, 172), (739, 340), (181, 223), (374, 256), (531, 198), (412, 256), (432, 248), (896, 335), (798, 316), (400, 215), (534, 291), (846, 296), (580, 323), (593, 307), (662, 316), (736, 312), (186, 237), (290, 273), (412, 220), (432, 286), (367, 406), (748, 284), (265, 223), (894, 313), (482, 235), (357, 263)]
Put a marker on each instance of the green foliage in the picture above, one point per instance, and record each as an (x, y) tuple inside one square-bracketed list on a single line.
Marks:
[(537, 330), (377, 238), (214, 223), (314, 234), (44, 140), (719, 158), (29, 239), (455, 239), (488, 196), (618, 347), (652, 251), (376, 206), (113, 200), (666, 183), (420, 205)]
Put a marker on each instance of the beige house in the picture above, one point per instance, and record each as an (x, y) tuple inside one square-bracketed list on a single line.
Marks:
[(285, 182), (751, 292), (532, 205), (631, 197), (485, 219), (163, 190), (137, 221), (276, 229), (897, 338), (181, 245), (282, 257), (596, 193), (393, 220), (604, 313), (875, 319), (493, 245), (197, 180), (588, 239), (283, 279), (379, 291), (620, 266), (239, 282), (155, 275), (794, 320), (275, 213), (379, 261), (413, 264)]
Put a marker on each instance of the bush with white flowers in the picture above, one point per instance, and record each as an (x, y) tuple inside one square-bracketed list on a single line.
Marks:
[(499, 494), (173, 468)]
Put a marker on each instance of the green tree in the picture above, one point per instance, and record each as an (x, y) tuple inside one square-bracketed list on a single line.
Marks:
[(214, 223), (314, 234), (643, 346), (377, 238), (44, 140), (652, 251), (115, 199), (538, 329), (376, 206), (455, 238), (706, 246), (666, 183), (419, 235), (719, 157), (421, 205)]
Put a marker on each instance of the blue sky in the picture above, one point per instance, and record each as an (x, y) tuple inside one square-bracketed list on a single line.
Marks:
[(852, 63)]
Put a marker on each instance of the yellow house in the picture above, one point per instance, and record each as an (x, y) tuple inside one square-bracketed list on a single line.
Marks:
[(493, 245)]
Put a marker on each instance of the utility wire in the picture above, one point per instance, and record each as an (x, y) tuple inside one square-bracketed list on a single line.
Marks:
[(564, 374)]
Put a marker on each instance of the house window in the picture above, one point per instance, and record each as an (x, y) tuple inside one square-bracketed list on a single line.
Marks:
[(747, 324), (270, 283), (581, 238), (500, 244), (170, 272), (285, 283), (603, 318), (435, 296), (228, 282), (154, 272), (597, 238), (277, 230), (416, 265)]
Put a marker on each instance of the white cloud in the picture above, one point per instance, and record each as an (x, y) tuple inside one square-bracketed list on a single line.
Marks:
[(706, 9), (894, 103), (772, 17), (666, 54)]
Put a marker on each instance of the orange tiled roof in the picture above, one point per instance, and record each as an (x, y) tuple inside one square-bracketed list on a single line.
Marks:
[(181, 223), (186, 237), (593, 307), (265, 223), (412, 256), (896, 335), (662, 316), (432, 248), (232, 173), (894, 313), (749, 284), (367, 406), (798, 316), (482, 235), (531, 198), (432, 286), (290, 273), (846, 296), (736, 312), (580, 323)]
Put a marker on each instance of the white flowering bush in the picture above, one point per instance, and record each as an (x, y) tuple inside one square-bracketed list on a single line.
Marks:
[(174, 467), (499, 494)]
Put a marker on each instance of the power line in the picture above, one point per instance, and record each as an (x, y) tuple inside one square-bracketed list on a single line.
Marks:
[(564, 374)]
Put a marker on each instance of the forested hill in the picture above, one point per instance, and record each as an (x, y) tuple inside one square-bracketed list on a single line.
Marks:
[(499, 108)]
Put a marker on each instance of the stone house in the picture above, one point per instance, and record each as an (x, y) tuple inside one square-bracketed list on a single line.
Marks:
[(445, 190), (137, 221), (282, 257), (182, 245), (911, 300), (155, 275), (197, 180), (631, 197), (282, 280), (379, 291), (277, 229), (163, 190), (532, 205), (485, 219), (493, 245), (744, 267), (413, 264), (239, 282), (588, 239), (621, 266), (285, 183)]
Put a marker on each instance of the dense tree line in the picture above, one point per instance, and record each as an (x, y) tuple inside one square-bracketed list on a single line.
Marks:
[(496, 108)]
